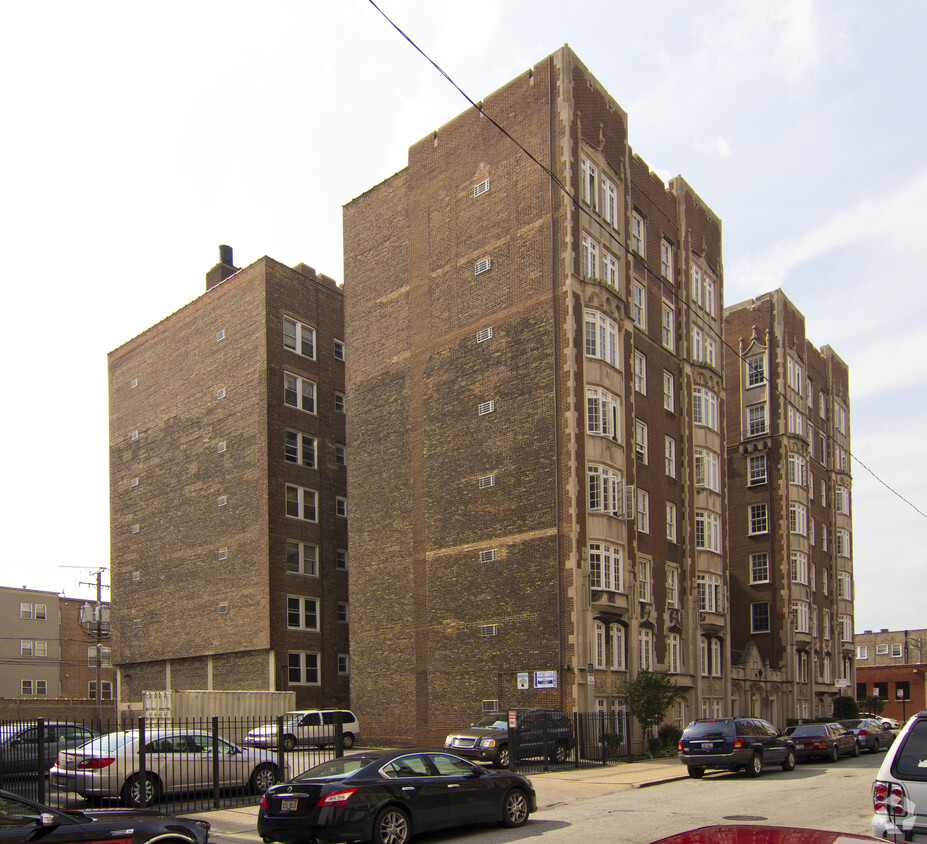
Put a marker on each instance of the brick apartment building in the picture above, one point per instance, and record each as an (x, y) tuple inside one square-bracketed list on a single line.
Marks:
[(789, 514), (48, 654), (537, 420), (892, 665), (229, 491)]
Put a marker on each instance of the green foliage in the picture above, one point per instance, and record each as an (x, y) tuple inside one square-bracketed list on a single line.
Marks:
[(669, 735), (873, 704), (649, 696), (845, 707)]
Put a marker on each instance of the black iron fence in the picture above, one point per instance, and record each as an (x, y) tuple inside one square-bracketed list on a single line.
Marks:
[(182, 764)]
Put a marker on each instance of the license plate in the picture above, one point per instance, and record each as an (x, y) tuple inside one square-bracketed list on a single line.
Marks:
[(288, 805), (708, 745)]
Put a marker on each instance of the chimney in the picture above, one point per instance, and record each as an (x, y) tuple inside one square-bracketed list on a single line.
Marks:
[(221, 271)]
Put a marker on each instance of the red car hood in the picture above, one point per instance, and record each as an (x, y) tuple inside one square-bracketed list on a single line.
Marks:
[(759, 834)]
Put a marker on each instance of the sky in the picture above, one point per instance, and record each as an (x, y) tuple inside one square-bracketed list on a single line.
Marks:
[(136, 138)]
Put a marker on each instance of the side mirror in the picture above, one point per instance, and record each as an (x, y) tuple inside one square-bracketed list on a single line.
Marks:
[(47, 819)]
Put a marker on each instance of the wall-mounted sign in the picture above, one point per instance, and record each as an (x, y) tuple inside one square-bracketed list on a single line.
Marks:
[(545, 679), (522, 680)]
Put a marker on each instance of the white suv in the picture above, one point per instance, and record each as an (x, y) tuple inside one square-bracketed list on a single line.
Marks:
[(899, 793)]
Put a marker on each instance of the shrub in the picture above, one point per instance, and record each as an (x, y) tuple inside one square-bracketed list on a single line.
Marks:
[(845, 707)]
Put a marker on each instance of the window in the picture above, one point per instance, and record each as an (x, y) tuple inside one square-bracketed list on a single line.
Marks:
[(673, 653), (488, 556), (341, 456), (669, 327), (590, 258), (707, 469), (798, 470), (301, 503), (756, 420), (698, 353), (339, 402), (796, 421), (299, 448), (341, 611), (703, 289), (669, 392), (710, 654), (708, 531), (669, 450), (106, 657), (341, 560), (672, 586), (589, 175), (842, 500), (801, 616), (798, 519), (602, 413), (640, 441), (303, 668), (486, 407), (482, 266), (25, 647), (637, 233), (610, 269), (844, 586), (705, 408), (302, 558), (826, 625), (481, 187), (644, 580), (298, 338), (643, 512), (640, 373), (341, 506), (604, 488), (609, 202), (799, 567), (711, 352), (344, 663), (666, 259), (339, 350), (670, 523), (840, 417), (602, 338), (756, 370), (106, 690), (759, 567), (639, 304), (758, 518), (896, 649), (618, 661), (600, 650), (25, 611), (302, 613), (486, 481), (646, 650), (605, 568), (298, 392), (845, 626), (756, 469), (881, 650), (708, 587), (802, 666)]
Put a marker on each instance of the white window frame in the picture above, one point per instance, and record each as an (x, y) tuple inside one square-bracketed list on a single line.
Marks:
[(756, 370), (602, 338), (707, 469), (300, 339), (644, 580), (707, 531), (609, 202), (645, 638), (301, 389), (673, 653), (606, 570), (617, 647), (639, 304), (604, 489), (669, 391), (302, 558), (757, 422), (589, 178), (705, 408), (643, 511), (670, 522), (610, 270), (308, 665), (641, 442), (298, 607), (638, 233), (669, 456), (709, 591), (300, 448), (603, 413), (798, 518), (754, 476), (640, 373), (759, 567), (666, 259), (590, 258), (301, 503), (798, 566)]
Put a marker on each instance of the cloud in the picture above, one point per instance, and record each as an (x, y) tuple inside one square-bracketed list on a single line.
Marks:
[(718, 146)]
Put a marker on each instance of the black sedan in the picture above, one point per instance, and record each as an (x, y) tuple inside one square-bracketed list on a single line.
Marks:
[(24, 821), (387, 796), (872, 735), (828, 741)]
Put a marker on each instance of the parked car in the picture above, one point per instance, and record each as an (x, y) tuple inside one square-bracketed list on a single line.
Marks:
[(310, 727), (23, 821), (891, 723), (20, 743), (734, 744), (761, 834), (872, 735), (388, 796), (899, 793), (826, 741), (537, 731), (175, 761)]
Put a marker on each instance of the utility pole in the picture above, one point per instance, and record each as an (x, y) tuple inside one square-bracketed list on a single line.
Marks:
[(97, 620)]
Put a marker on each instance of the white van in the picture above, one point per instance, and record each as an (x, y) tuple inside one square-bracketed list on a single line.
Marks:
[(308, 726)]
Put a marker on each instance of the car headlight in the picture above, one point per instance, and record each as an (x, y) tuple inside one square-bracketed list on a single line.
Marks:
[(488, 742), (448, 741)]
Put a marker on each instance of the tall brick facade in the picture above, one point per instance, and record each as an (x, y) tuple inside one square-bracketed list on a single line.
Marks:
[(536, 425), (790, 523), (228, 491)]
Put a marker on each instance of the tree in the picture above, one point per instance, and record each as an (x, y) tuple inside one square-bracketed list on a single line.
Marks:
[(649, 696), (873, 704)]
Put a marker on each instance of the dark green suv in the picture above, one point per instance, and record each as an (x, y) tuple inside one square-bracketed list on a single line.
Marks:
[(538, 732), (734, 744)]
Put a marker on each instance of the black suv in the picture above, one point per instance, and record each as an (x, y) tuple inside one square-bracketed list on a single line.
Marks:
[(734, 744), (537, 732)]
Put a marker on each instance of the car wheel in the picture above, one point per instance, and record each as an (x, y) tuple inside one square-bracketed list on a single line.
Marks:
[(855, 751), (695, 771), (391, 826), (559, 753), (515, 808), (289, 742), (347, 740), (138, 795), (502, 757), (834, 754), (755, 768), (788, 764), (264, 777)]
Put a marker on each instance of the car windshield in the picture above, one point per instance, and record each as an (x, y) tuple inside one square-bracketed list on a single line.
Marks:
[(293, 717), (337, 769), (493, 721)]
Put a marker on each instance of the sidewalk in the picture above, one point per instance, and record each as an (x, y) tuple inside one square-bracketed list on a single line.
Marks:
[(555, 788)]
